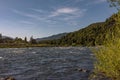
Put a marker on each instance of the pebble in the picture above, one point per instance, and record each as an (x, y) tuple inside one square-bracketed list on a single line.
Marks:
[(8, 78), (83, 70)]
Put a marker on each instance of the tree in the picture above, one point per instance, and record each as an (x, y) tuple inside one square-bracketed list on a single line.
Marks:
[(1, 38), (32, 40), (25, 39), (18, 40), (115, 3)]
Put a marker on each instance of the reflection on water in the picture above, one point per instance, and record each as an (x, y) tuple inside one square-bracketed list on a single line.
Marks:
[(46, 63)]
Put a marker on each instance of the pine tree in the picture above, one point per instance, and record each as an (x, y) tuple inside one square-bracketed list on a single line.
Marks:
[(1, 38), (25, 39), (32, 40)]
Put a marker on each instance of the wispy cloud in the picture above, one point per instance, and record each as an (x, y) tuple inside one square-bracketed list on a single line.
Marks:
[(78, 0), (61, 11), (37, 10), (99, 1), (29, 15), (65, 14), (26, 22), (24, 14), (96, 2), (68, 15)]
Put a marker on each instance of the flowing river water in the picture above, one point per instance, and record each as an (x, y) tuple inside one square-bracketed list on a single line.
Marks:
[(50, 63)]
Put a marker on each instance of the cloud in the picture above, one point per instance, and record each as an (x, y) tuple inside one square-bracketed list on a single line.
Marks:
[(68, 15), (34, 17), (99, 1), (96, 2), (26, 22), (38, 10), (78, 0), (62, 11), (55, 16), (29, 15), (24, 14)]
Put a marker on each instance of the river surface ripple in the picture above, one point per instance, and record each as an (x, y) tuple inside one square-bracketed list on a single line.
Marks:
[(49, 63)]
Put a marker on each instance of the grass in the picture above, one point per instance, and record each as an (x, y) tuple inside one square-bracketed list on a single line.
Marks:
[(19, 45), (108, 60)]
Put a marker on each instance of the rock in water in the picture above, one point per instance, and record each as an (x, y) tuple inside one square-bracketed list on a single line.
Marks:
[(1, 57), (10, 78), (83, 70), (2, 79)]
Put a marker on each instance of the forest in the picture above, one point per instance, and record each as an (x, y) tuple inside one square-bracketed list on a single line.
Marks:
[(94, 35)]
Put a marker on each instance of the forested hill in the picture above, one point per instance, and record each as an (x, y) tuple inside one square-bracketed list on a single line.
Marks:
[(94, 34)]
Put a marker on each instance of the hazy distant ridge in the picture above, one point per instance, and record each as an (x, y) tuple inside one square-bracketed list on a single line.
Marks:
[(57, 36)]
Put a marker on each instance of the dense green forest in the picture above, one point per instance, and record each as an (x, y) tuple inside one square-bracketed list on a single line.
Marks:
[(93, 35)]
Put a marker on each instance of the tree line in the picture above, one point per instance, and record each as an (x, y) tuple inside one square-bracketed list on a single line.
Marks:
[(16, 42)]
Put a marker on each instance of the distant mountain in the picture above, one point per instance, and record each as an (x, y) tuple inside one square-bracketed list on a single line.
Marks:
[(53, 37), (3, 37), (94, 34)]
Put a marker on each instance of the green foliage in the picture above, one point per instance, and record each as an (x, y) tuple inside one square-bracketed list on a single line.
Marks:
[(114, 3), (108, 56), (25, 40), (93, 35), (7, 42), (18, 40), (108, 60), (32, 40)]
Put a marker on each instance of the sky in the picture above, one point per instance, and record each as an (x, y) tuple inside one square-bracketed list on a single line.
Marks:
[(42, 18)]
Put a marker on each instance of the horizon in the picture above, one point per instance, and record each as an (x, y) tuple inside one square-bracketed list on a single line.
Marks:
[(43, 18)]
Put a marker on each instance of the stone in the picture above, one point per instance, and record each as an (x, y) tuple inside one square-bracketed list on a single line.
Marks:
[(2, 79), (83, 70), (10, 78)]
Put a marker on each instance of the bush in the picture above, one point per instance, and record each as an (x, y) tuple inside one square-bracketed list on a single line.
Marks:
[(108, 60)]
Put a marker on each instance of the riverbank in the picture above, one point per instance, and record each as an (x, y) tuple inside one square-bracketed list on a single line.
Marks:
[(12, 45), (108, 61)]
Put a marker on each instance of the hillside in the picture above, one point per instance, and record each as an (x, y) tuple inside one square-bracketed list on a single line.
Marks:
[(4, 37), (57, 36), (94, 34)]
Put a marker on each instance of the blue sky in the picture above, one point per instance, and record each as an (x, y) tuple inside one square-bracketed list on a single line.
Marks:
[(41, 18)]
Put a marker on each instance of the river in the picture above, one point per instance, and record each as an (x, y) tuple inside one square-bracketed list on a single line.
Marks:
[(50, 63)]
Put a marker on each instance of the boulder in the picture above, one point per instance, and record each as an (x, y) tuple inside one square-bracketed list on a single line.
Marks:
[(10, 78), (83, 70)]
